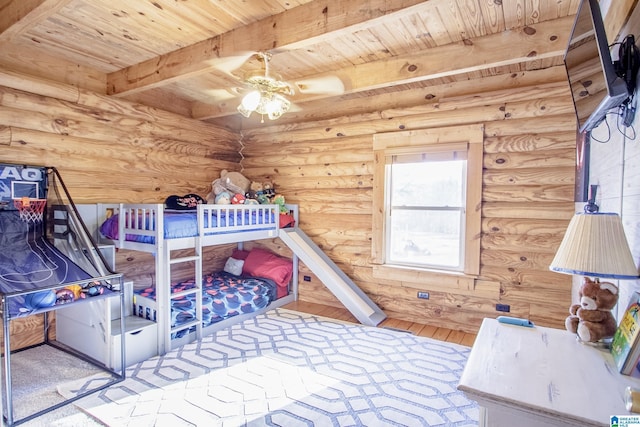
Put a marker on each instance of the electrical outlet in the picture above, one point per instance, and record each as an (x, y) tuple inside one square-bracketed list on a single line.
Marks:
[(503, 307), (423, 295), (306, 278)]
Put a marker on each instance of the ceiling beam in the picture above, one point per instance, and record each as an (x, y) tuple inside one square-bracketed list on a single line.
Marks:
[(293, 29), (17, 16), (529, 44)]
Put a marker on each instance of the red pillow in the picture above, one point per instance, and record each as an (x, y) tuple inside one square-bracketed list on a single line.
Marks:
[(262, 263), (240, 254)]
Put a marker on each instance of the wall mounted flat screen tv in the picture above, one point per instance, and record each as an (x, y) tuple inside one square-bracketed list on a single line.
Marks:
[(595, 86)]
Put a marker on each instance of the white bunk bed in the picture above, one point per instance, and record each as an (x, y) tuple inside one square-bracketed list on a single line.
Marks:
[(141, 227)]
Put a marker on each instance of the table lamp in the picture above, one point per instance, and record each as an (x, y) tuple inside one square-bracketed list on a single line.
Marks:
[(595, 246)]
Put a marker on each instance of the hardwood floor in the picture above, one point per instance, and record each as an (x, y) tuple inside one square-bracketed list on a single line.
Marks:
[(418, 329)]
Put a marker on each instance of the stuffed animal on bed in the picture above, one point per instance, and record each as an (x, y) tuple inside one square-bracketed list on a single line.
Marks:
[(237, 199), (251, 196), (268, 190), (230, 182), (223, 198), (278, 199), (234, 182)]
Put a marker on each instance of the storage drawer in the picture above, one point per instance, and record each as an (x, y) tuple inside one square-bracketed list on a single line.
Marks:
[(141, 341)]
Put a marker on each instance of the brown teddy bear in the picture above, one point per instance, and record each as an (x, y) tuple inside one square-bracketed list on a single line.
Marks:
[(592, 319), (231, 182)]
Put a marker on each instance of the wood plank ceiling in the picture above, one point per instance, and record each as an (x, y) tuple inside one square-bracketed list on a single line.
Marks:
[(190, 56)]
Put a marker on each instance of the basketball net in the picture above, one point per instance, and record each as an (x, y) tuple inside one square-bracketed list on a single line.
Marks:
[(31, 210)]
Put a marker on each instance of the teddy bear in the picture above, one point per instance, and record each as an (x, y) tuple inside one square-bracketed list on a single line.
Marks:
[(268, 190), (230, 182), (255, 189), (235, 182), (592, 319)]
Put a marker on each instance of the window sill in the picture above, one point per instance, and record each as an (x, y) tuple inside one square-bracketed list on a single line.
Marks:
[(439, 278)]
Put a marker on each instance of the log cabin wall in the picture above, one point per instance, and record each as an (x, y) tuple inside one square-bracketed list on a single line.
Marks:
[(109, 150), (326, 167)]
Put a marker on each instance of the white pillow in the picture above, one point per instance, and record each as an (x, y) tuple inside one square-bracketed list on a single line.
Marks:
[(234, 266)]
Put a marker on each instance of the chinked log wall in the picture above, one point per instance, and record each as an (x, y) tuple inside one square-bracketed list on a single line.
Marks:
[(108, 150), (326, 167)]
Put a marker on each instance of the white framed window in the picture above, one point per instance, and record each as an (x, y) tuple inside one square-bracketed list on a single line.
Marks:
[(427, 198)]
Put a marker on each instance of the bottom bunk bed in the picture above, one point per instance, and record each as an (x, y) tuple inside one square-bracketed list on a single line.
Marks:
[(251, 283)]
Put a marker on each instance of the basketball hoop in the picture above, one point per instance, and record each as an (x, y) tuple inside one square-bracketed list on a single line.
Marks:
[(30, 209)]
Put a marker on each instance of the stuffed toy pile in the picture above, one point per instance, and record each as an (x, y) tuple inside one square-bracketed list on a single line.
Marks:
[(229, 188), (235, 188)]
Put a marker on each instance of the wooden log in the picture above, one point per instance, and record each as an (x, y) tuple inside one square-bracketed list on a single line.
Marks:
[(38, 85), (347, 154), (548, 158), (515, 242), (5, 135), (528, 193), (324, 183), (517, 259), (434, 315), (560, 123), (280, 174), (530, 142), (543, 210), (295, 147), (347, 222), (541, 107), (529, 176), (523, 226), (529, 281), (549, 316)]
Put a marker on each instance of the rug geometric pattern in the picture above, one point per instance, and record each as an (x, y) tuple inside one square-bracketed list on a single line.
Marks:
[(285, 368)]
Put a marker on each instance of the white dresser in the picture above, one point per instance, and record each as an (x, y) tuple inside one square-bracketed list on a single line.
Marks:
[(540, 376)]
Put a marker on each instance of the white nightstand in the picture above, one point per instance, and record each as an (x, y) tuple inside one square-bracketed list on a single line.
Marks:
[(541, 377)]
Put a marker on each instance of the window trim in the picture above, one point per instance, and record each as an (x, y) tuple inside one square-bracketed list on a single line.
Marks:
[(387, 144)]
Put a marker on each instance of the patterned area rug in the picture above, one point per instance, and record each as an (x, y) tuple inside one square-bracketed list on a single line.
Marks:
[(285, 368)]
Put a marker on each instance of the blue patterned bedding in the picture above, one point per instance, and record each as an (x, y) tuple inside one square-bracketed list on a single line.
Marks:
[(223, 295), (178, 224)]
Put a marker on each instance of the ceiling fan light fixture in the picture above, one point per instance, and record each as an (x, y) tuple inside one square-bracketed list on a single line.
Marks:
[(267, 96), (251, 100), (277, 106)]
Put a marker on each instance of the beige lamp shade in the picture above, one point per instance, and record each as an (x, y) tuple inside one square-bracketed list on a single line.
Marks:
[(595, 245)]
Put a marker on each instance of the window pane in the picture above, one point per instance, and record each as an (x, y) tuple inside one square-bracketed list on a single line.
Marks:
[(428, 183), (422, 237)]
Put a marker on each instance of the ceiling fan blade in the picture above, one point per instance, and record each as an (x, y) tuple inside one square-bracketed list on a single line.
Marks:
[(228, 64), (330, 85), (295, 108), (222, 94)]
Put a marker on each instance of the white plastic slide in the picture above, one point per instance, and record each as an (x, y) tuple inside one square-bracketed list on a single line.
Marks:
[(353, 298)]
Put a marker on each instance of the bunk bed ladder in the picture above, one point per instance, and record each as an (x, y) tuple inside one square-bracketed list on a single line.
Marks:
[(196, 291), (199, 278)]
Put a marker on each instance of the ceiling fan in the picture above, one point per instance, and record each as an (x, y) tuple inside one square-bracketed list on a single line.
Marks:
[(268, 95)]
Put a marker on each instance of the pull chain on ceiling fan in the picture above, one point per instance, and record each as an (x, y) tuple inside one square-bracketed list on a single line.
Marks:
[(267, 96)]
